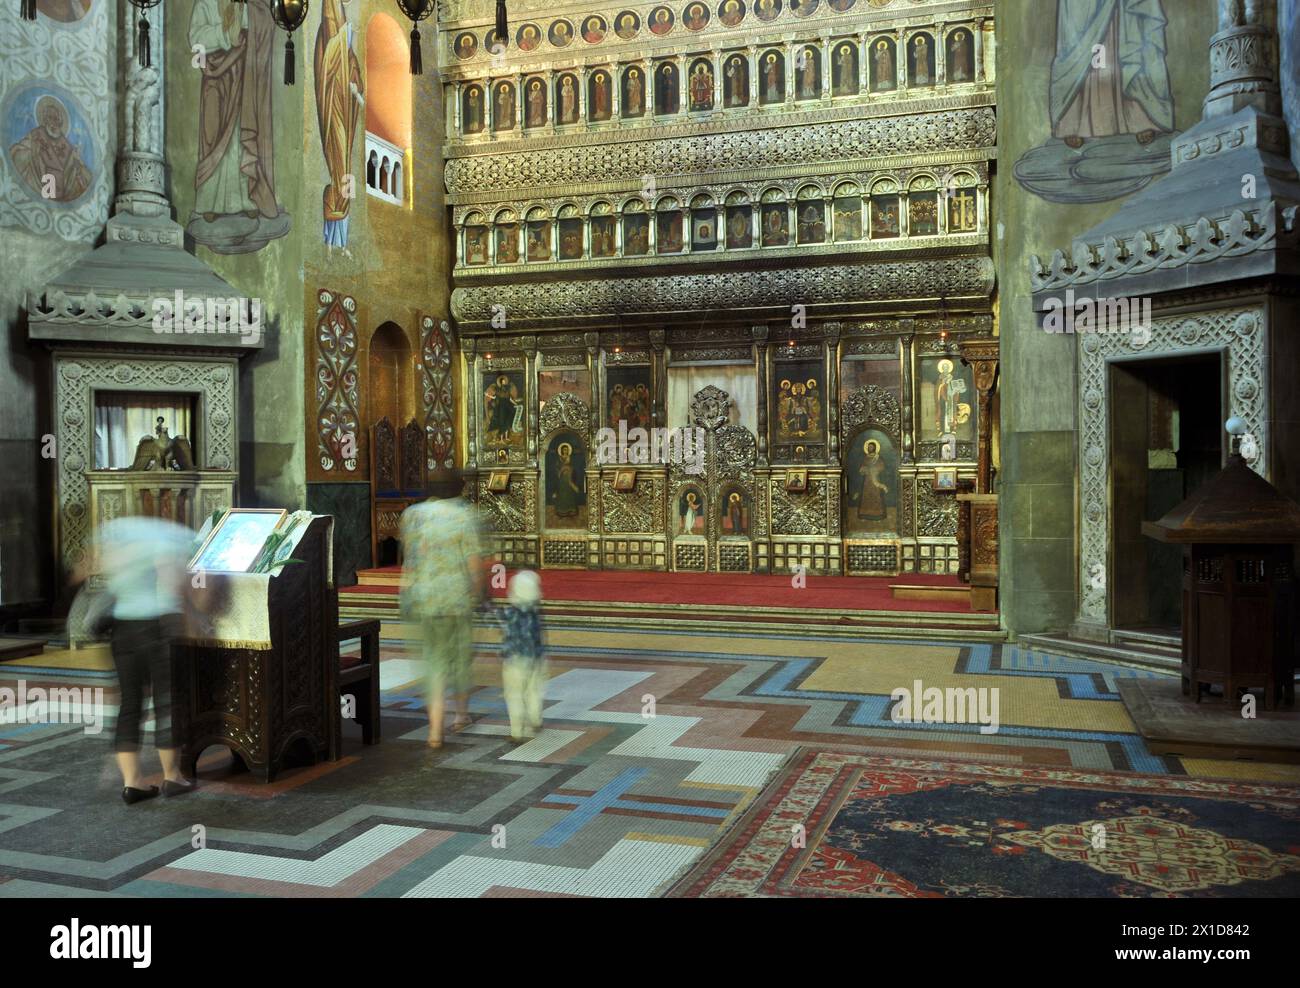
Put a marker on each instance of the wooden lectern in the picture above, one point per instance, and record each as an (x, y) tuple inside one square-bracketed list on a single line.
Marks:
[(266, 682)]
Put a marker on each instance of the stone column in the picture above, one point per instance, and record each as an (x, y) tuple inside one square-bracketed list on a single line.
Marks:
[(142, 211), (1243, 59)]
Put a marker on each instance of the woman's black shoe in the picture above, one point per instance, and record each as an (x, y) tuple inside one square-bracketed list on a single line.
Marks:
[(170, 788), (131, 795)]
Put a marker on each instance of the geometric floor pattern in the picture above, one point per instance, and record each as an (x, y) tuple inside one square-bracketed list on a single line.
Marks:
[(655, 743)]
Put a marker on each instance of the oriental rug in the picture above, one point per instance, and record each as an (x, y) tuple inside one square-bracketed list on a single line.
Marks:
[(836, 823)]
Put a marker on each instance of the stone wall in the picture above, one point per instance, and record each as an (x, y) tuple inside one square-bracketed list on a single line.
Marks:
[(1037, 204)]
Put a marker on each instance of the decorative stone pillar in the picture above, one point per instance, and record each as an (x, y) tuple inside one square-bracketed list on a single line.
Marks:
[(1243, 59), (141, 209)]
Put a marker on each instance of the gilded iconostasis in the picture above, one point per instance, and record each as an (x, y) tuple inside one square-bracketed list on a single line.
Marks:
[(756, 230)]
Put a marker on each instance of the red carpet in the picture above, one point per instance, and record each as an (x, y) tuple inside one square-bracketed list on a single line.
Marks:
[(844, 593)]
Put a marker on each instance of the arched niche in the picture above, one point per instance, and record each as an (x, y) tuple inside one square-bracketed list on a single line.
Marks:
[(391, 389)]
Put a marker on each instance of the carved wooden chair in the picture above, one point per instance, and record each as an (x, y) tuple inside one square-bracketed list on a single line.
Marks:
[(398, 471)]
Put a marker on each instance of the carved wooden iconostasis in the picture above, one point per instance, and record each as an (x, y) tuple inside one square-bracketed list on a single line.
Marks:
[(766, 222), (864, 483)]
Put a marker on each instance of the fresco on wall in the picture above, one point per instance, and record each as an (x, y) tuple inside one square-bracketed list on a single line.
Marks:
[(339, 99), (235, 206), (64, 11), (49, 145), (1110, 104)]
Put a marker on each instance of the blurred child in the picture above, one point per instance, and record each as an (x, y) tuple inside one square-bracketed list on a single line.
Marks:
[(523, 671)]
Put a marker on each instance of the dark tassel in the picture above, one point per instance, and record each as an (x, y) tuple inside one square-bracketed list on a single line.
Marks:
[(417, 62), (29, 10), (142, 42), (288, 61), (503, 29)]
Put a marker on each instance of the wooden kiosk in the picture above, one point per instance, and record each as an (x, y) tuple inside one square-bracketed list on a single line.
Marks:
[(1238, 534)]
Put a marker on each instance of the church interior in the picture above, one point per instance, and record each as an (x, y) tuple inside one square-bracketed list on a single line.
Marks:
[(891, 397)]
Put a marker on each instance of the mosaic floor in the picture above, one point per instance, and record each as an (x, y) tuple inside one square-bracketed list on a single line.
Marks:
[(655, 743)]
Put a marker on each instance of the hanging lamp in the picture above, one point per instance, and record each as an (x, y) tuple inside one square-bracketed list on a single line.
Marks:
[(288, 16), (142, 30), (416, 11)]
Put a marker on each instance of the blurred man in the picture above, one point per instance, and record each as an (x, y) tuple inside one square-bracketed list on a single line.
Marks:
[(143, 563), (442, 583)]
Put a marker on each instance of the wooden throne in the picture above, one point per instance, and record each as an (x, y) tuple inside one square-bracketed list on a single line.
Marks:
[(398, 471)]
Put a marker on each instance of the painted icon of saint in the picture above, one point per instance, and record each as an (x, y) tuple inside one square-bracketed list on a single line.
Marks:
[(872, 488), (702, 87), (634, 103), (46, 151), (883, 55)]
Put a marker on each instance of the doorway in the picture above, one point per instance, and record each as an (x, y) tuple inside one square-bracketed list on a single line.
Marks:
[(1166, 440)]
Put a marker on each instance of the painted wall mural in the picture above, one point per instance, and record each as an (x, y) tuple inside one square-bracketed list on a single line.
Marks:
[(439, 407), (235, 206), (56, 137), (1111, 105), (337, 382), (49, 145), (64, 11), (339, 101)]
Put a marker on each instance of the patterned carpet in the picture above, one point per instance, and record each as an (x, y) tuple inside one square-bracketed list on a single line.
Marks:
[(846, 824), (655, 744)]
